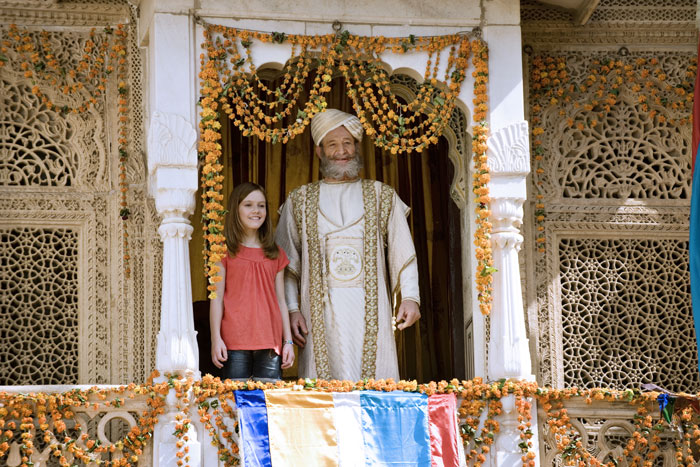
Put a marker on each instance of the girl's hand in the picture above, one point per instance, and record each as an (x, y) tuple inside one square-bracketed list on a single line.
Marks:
[(287, 356), (219, 353)]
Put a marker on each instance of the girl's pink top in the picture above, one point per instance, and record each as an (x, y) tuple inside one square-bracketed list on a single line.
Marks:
[(252, 318)]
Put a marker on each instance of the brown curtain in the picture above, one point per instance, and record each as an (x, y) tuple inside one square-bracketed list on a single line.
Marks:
[(432, 350)]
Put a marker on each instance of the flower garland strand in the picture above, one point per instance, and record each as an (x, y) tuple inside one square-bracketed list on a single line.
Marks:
[(119, 53), (482, 235), (394, 126), (34, 55), (592, 99), (209, 154), (231, 86)]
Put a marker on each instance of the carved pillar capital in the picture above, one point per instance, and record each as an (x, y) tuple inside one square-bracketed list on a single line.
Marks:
[(172, 164), (508, 150)]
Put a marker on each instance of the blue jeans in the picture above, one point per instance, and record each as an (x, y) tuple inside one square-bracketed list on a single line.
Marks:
[(263, 365)]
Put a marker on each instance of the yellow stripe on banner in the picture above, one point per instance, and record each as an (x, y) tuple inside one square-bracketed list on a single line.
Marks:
[(302, 432)]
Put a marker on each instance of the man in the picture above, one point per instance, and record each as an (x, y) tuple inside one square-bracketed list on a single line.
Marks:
[(340, 234)]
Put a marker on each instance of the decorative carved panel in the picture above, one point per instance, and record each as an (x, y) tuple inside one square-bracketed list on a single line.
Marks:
[(608, 299), (58, 175)]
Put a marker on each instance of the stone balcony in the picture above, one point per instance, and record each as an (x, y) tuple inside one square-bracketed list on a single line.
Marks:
[(161, 424)]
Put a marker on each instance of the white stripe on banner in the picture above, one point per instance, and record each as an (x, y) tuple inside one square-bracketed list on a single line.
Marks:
[(348, 423)]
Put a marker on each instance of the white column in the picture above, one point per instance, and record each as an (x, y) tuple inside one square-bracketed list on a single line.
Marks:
[(167, 33), (172, 164), (509, 164), (508, 158)]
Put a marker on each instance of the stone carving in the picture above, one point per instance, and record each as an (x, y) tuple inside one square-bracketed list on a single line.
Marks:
[(171, 142), (616, 298), (62, 13), (616, 197), (508, 152), (40, 314), (621, 22), (58, 171), (604, 429)]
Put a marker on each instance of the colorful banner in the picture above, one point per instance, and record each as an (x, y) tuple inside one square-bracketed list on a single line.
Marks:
[(372, 428)]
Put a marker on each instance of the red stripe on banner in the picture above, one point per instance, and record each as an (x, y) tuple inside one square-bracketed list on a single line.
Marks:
[(442, 410), (696, 114)]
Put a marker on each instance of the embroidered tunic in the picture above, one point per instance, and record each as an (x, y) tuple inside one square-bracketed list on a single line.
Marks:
[(338, 237)]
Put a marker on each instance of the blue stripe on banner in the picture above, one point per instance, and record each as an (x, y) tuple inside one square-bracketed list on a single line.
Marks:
[(694, 252), (252, 413), (395, 426)]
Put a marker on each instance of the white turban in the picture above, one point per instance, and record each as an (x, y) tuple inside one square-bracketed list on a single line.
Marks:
[(329, 120)]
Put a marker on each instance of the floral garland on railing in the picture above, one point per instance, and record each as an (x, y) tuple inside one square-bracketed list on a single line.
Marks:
[(35, 57), (551, 86), (230, 84), (28, 416), (43, 418)]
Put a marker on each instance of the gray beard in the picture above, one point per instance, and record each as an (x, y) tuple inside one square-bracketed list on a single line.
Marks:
[(330, 169)]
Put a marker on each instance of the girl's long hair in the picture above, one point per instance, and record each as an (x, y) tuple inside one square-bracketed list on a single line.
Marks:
[(233, 228)]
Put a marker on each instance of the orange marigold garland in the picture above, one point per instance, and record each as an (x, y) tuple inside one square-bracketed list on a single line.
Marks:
[(209, 153), (50, 418), (231, 86), (587, 102), (482, 236), (34, 56)]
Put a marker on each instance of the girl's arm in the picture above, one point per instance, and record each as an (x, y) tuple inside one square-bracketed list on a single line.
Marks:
[(219, 353), (287, 347)]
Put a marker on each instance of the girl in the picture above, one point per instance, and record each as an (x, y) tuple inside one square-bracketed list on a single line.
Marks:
[(250, 334)]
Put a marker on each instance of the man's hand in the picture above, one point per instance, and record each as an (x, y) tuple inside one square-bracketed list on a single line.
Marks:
[(299, 330), (408, 314)]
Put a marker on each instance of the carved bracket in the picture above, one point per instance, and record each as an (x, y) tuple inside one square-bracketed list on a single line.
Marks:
[(172, 163), (508, 152), (171, 142)]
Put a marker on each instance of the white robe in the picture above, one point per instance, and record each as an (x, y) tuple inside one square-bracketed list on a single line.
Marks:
[(329, 279)]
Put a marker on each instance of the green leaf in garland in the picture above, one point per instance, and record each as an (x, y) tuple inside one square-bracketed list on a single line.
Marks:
[(279, 37)]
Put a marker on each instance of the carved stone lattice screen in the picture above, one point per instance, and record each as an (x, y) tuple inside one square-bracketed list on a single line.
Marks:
[(625, 306), (609, 298), (68, 313), (39, 323)]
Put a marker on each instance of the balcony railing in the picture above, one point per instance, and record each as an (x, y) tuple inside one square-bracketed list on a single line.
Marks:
[(111, 424)]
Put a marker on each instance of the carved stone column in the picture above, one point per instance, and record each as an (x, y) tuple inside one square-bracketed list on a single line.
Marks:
[(172, 168), (509, 353), (168, 35)]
